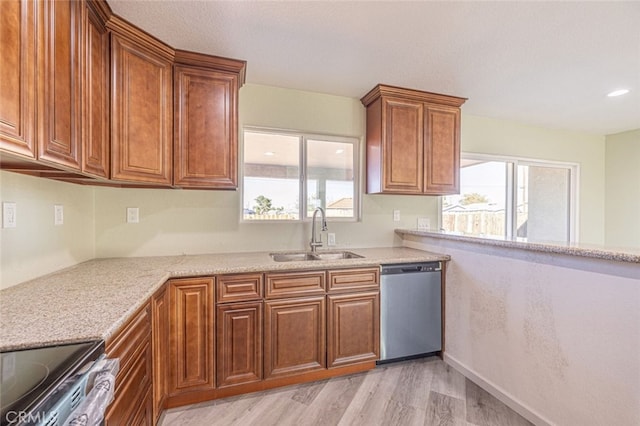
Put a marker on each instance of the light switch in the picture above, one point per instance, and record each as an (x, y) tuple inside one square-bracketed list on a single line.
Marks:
[(58, 214), (133, 215), (9, 215), (396, 215)]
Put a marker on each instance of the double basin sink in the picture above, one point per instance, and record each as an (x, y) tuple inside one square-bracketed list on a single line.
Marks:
[(310, 256)]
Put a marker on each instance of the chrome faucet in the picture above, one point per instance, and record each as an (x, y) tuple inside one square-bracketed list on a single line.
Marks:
[(317, 243)]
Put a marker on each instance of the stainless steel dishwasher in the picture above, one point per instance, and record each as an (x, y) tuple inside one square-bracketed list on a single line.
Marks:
[(410, 311)]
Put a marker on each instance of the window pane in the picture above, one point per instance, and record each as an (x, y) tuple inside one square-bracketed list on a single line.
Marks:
[(480, 208), (542, 202), (271, 176), (330, 178)]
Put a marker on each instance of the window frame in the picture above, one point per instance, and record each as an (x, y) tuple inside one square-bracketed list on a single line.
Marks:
[(512, 163), (302, 178)]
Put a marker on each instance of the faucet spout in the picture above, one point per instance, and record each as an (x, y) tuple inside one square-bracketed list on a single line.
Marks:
[(315, 243)]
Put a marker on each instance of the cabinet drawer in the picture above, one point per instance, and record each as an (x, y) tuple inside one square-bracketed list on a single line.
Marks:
[(239, 288), (130, 338), (295, 284), (354, 279)]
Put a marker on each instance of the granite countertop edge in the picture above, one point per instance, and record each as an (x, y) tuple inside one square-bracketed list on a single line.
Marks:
[(92, 300), (582, 250)]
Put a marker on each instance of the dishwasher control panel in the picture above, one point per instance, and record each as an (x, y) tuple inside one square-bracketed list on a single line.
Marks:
[(407, 268)]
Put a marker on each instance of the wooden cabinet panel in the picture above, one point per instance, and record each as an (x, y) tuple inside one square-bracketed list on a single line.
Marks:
[(160, 349), (354, 279), (442, 156), (403, 146), (413, 141), (95, 99), (290, 284), (353, 328), (59, 80), (132, 345), (239, 287), (239, 347), (206, 140), (191, 334), (141, 106), (143, 416), (18, 77), (294, 340)]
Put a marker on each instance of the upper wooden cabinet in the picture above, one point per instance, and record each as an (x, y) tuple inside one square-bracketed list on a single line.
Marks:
[(141, 105), (18, 77), (206, 120), (413, 141)]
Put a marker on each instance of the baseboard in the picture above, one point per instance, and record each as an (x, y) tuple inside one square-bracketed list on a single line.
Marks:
[(497, 392)]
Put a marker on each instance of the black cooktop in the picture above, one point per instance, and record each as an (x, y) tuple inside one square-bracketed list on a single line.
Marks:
[(30, 378)]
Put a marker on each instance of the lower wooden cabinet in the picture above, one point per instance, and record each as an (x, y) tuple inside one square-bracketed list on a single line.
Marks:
[(353, 328), (239, 343), (191, 341), (132, 345), (294, 339), (160, 349)]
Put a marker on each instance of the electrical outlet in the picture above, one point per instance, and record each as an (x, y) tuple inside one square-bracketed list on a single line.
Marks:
[(9, 215), (133, 215), (396, 215), (58, 214), (331, 239)]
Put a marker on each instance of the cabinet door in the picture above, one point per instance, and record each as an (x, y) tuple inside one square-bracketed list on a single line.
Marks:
[(353, 328), (206, 140), (191, 319), (403, 141), (18, 77), (95, 74), (141, 112), (294, 340), (160, 347), (442, 150), (59, 110), (239, 347)]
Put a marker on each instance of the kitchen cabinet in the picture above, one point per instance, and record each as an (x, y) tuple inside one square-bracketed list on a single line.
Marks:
[(239, 313), (206, 120), (95, 96), (18, 77), (191, 335), (413, 141), (132, 345), (160, 349), (59, 82), (141, 105), (294, 340), (353, 316)]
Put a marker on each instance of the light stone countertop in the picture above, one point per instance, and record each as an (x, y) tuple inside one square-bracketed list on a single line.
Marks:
[(627, 254), (91, 300)]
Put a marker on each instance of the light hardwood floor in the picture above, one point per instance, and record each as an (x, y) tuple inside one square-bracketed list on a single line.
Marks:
[(418, 392)]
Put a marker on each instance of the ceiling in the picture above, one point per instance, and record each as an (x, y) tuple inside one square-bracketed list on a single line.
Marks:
[(548, 64)]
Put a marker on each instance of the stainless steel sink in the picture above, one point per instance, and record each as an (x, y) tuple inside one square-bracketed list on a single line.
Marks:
[(335, 255), (307, 256)]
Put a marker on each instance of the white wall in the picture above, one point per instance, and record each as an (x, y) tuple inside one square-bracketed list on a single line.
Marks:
[(36, 247), (491, 136), (622, 214), (556, 337)]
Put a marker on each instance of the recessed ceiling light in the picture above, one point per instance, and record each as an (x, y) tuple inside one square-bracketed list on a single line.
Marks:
[(619, 92), (269, 153), (339, 151)]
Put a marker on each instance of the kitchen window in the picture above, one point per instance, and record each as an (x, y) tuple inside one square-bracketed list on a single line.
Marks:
[(288, 174), (513, 198)]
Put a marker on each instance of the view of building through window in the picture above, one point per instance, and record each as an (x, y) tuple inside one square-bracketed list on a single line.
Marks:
[(287, 175), (512, 198)]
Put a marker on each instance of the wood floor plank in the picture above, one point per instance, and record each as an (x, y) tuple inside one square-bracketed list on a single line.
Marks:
[(444, 410), (418, 392), (485, 410)]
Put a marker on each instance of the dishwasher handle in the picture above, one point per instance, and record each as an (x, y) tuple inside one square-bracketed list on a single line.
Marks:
[(411, 268)]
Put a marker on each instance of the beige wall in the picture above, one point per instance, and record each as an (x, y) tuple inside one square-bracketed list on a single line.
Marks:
[(556, 337), (183, 221), (36, 247), (622, 214), (491, 136)]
